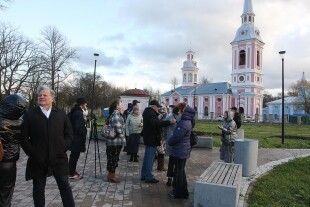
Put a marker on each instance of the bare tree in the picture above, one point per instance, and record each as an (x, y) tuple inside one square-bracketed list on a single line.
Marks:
[(56, 54), (174, 82), (301, 90), (4, 4), (18, 58), (205, 80)]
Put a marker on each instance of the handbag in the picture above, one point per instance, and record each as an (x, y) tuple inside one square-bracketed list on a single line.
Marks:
[(107, 130), (1, 151), (193, 138)]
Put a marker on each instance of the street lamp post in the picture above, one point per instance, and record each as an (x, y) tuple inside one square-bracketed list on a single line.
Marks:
[(195, 96), (93, 89), (282, 53), (238, 101), (57, 97)]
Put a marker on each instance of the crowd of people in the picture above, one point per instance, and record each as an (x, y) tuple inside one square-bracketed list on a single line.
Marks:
[(46, 133)]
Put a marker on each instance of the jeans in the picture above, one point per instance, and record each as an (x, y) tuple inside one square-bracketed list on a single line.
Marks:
[(7, 182), (148, 161), (179, 180), (74, 157), (63, 186)]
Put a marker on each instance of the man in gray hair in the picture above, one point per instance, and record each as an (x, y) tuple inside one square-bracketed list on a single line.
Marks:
[(45, 137)]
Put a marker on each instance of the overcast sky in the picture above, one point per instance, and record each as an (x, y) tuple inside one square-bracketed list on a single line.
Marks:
[(143, 43)]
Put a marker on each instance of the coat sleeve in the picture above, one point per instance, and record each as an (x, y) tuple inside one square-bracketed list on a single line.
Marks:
[(127, 125), (79, 123), (177, 136), (25, 138), (117, 123), (68, 134)]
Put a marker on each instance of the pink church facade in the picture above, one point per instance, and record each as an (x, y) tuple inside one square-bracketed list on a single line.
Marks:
[(246, 88)]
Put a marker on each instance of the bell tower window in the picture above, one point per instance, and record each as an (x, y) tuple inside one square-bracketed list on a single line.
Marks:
[(190, 78), (242, 57), (258, 58), (184, 78)]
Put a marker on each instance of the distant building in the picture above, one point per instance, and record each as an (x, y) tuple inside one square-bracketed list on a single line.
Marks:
[(273, 111), (135, 94), (246, 88)]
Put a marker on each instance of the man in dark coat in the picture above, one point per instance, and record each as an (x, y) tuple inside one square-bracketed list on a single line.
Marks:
[(151, 133), (79, 136), (45, 137)]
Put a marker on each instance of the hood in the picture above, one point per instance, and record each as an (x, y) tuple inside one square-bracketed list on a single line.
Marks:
[(12, 107), (230, 116), (188, 113)]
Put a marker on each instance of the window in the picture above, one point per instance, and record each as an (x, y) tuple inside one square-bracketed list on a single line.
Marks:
[(241, 78), (167, 100), (185, 99), (206, 111), (276, 107), (176, 100), (245, 19), (184, 78), (242, 57), (258, 58), (190, 78), (258, 79), (234, 79), (250, 19), (206, 99), (219, 99), (195, 78)]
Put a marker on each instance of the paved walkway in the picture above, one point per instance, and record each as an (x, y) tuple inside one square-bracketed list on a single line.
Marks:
[(94, 191)]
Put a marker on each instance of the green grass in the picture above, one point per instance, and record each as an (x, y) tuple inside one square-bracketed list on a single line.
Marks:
[(286, 185), (269, 135)]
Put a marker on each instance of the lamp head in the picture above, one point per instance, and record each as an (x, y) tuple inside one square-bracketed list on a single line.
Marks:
[(282, 53), (96, 55)]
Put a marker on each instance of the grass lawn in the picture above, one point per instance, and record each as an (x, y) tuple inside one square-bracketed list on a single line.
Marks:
[(269, 135), (286, 185)]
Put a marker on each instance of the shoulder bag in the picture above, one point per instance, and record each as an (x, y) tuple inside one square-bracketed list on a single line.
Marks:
[(107, 130)]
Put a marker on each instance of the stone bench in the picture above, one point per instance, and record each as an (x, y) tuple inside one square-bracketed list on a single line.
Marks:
[(218, 186), (204, 142)]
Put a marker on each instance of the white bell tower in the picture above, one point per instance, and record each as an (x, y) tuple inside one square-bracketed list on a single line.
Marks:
[(247, 71), (189, 70)]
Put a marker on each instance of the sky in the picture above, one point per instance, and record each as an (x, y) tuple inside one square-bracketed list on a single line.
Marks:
[(143, 43)]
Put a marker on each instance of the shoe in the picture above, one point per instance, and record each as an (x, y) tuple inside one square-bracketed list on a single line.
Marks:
[(76, 176), (169, 182), (152, 181), (131, 158), (171, 195)]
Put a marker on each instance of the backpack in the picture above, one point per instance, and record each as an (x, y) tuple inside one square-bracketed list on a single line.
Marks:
[(238, 121)]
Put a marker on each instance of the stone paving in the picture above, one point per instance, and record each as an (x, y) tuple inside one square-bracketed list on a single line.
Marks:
[(94, 191)]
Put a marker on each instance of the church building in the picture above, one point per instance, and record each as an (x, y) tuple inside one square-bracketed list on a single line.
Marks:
[(246, 88)]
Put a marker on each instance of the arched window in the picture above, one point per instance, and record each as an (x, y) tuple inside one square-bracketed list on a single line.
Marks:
[(184, 78), (258, 58), (206, 111), (190, 78), (195, 78), (242, 57)]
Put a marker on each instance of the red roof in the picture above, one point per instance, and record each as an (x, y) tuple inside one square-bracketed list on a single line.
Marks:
[(135, 92)]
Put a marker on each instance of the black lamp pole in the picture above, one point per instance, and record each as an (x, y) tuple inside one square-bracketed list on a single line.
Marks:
[(282, 53), (195, 96), (93, 89)]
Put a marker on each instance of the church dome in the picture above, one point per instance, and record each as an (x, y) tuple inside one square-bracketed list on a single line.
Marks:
[(135, 92), (247, 32)]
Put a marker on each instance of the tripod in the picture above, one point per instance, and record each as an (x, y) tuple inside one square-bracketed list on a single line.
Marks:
[(93, 135)]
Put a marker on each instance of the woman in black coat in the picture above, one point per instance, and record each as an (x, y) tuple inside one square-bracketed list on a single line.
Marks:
[(79, 136)]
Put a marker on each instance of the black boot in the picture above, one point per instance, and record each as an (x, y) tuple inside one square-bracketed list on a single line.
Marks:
[(169, 182), (135, 158), (131, 158)]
